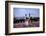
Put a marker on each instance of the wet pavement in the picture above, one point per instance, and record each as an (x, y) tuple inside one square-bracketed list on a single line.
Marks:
[(22, 25)]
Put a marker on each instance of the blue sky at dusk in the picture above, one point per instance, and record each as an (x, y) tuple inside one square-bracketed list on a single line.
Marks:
[(20, 12)]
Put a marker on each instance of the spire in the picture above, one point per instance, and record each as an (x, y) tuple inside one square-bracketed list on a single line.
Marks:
[(29, 14), (25, 15)]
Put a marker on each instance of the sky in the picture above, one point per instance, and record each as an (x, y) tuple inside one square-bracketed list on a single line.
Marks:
[(20, 12)]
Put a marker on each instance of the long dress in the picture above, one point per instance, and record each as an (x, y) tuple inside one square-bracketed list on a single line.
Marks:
[(26, 23)]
